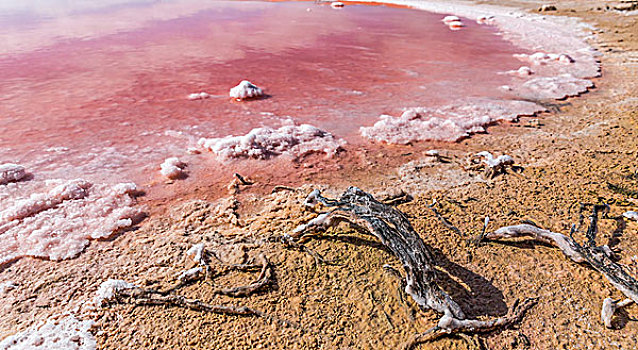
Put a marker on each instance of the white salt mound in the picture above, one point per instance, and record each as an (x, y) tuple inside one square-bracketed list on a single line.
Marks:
[(198, 96), (447, 123), (196, 253), (262, 143), (456, 25), (108, 289), (172, 168), (58, 218), (11, 173), (67, 333), (337, 4), (631, 215), (450, 19), (245, 90)]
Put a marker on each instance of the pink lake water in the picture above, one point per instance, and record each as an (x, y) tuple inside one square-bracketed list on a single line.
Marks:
[(100, 91)]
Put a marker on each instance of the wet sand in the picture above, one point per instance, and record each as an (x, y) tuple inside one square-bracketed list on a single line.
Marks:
[(582, 152)]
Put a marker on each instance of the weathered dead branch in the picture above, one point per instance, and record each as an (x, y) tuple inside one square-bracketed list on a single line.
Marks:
[(143, 296), (367, 215), (600, 258)]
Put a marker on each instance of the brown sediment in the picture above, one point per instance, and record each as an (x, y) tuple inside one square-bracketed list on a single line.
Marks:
[(583, 152)]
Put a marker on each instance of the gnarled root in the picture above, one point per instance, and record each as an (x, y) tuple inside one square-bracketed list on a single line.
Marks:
[(598, 257), (369, 216), (450, 326)]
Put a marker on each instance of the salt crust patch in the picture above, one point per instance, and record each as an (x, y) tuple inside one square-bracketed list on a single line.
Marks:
[(448, 123), (55, 219), (108, 289), (263, 143), (67, 333), (11, 172), (561, 65)]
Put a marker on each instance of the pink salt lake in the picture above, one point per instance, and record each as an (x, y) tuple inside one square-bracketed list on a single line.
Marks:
[(101, 93)]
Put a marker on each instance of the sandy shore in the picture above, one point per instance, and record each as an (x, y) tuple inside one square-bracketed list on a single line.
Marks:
[(586, 150)]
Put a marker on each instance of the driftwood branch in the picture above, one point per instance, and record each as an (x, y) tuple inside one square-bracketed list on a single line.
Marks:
[(359, 209), (600, 258)]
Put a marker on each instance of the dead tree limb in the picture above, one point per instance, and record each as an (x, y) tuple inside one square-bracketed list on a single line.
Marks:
[(143, 296), (600, 258), (359, 209)]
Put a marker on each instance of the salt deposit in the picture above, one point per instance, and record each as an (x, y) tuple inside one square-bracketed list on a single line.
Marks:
[(11, 173), (198, 96), (494, 162), (109, 289), (553, 87), (196, 253), (262, 143), (172, 168), (576, 59), (67, 333), (448, 123), (337, 4), (522, 71), (55, 219), (245, 90), (450, 19)]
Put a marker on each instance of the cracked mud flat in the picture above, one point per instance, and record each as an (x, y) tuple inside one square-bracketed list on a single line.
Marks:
[(586, 151)]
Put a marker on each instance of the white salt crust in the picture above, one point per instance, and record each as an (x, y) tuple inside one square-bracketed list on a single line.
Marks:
[(172, 168), (11, 173), (56, 219), (493, 162), (245, 90), (66, 333), (108, 289), (447, 123), (198, 96), (263, 143), (561, 65)]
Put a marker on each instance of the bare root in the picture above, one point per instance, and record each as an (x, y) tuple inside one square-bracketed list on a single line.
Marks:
[(369, 216), (598, 257)]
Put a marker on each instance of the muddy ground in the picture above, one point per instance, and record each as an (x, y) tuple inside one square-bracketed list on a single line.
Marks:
[(585, 151)]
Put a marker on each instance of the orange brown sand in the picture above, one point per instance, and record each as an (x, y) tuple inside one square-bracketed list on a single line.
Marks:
[(585, 151)]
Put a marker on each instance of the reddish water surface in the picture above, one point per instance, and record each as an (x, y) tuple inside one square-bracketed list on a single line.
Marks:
[(101, 93)]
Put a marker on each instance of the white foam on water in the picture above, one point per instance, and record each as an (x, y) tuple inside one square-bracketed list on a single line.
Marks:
[(447, 123), (245, 90), (263, 143), (66, 333), (55, 219), (10, 172)]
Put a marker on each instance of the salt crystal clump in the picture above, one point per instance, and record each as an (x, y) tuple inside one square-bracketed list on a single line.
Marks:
[(447, 123), (172, 168), (450, 19), (11, 173), (262, 143), (245, 90), (492, 162), (545, 58), (631, 215), (109, 289), (196, 253), (190, 274), (522, 71), (198, 96), (58, 218), (67, 333), (337, 4), (485, 19)]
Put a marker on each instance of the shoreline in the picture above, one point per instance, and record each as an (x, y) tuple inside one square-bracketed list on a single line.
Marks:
[(571, 156)]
